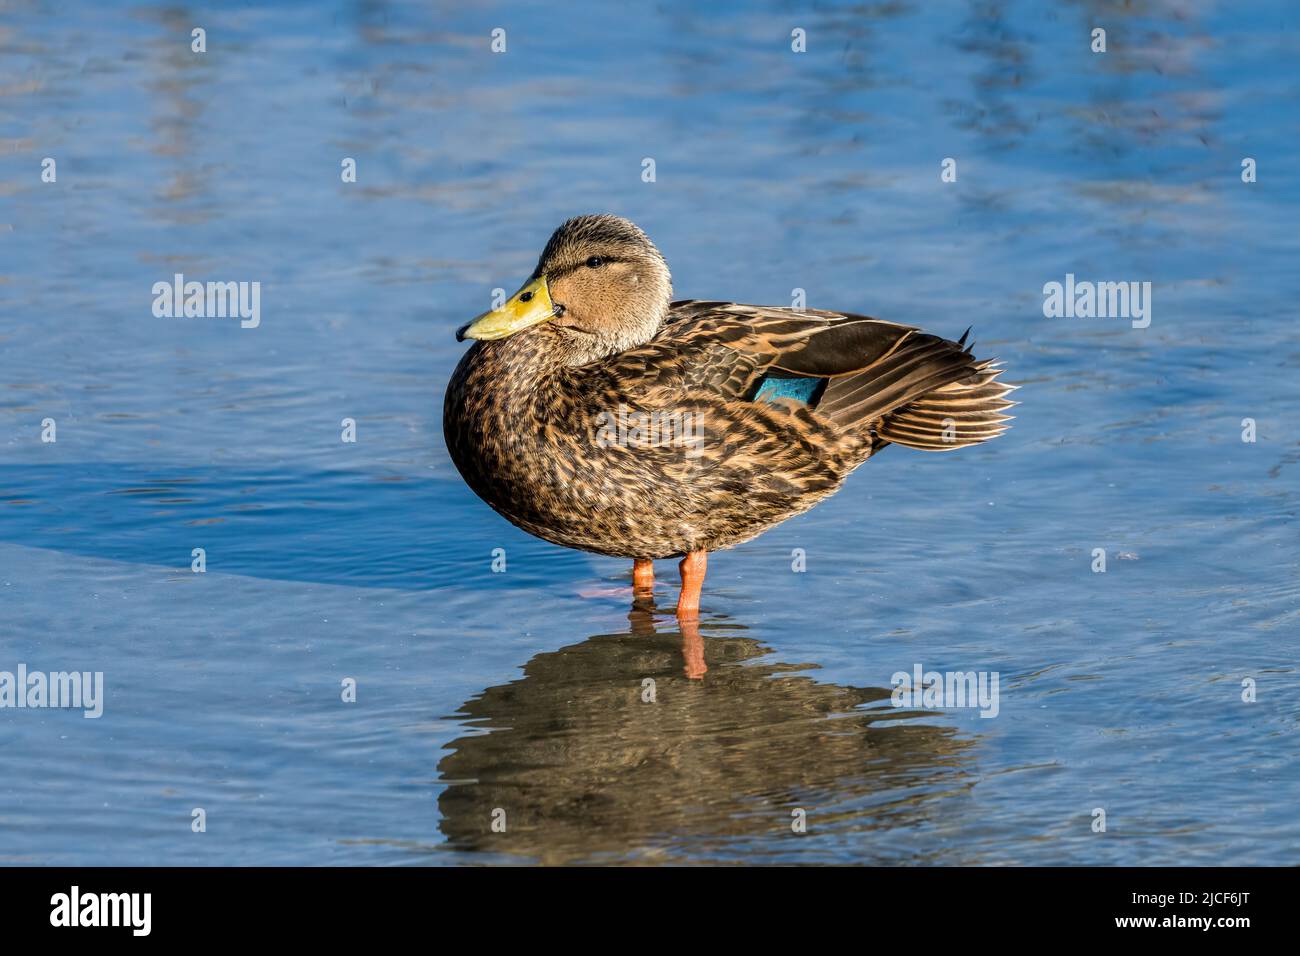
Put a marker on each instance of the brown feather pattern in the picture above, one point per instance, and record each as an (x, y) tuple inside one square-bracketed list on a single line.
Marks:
[(522, 425)]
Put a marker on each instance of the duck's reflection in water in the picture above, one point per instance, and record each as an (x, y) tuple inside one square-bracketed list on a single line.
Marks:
[(608, 750)]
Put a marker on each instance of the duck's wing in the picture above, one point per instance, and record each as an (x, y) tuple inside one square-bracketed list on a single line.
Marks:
[(728, 347), (909, 386)]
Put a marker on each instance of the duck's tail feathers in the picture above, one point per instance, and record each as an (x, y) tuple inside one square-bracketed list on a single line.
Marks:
[(964, 412), (924, 392)]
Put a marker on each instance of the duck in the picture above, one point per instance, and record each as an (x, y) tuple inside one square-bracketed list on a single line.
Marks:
[(596, 412)]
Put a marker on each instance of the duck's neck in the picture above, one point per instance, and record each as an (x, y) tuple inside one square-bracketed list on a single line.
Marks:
[(500, 387), (523, 364)]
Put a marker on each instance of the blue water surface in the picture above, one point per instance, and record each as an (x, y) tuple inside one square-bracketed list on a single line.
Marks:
[(521, 695)]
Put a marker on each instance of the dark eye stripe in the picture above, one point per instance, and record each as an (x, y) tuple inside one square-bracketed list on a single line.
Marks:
[(554, 274)]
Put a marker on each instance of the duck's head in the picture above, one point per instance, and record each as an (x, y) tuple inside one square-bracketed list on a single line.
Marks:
[(600, 287)]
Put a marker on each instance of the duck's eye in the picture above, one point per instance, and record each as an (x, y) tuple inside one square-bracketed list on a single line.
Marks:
[(595, 262)]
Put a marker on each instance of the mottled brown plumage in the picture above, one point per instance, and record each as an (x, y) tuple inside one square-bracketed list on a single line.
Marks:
[(542, 422)]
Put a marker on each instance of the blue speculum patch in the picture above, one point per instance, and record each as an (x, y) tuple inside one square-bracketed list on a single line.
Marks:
[(803, 390)]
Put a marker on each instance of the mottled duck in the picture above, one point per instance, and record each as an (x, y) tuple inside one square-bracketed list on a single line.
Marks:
[(596, 413)]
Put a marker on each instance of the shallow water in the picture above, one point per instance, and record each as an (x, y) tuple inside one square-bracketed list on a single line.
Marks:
[(524, 690)]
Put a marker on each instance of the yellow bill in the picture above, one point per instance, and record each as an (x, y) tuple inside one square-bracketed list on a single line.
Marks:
[(527, 307)]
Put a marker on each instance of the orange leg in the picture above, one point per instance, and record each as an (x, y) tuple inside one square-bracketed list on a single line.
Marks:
[(692, 567), (643, 576)]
